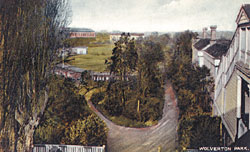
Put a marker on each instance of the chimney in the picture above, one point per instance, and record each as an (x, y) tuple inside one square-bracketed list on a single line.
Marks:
[(213, 34), (204, 34)]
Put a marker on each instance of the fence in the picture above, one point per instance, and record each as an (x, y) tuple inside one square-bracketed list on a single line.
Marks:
[(66, 148)]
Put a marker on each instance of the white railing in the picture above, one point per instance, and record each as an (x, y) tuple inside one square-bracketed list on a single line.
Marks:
[(66, 148)]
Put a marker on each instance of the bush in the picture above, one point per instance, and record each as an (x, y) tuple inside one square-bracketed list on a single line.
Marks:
[(91, 131), (97, 97)]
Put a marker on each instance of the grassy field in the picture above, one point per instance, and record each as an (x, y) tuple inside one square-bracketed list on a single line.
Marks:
[(95, 59)]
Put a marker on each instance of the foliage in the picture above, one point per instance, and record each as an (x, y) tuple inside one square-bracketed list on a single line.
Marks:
[(193, 86), (91, 132), (31, 35), (199, 131), (164, 40), (97, 97), (49, 132), (149, 93), (64, 106), (65, 112), (124, 57)]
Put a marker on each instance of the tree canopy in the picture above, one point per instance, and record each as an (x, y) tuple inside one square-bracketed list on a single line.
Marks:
[(67, 118)]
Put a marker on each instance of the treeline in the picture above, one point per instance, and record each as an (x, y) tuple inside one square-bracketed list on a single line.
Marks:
[(68, 119), (137, 91), (193, 87)]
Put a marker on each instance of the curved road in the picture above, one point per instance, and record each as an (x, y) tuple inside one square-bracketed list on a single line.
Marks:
[(164, 134)]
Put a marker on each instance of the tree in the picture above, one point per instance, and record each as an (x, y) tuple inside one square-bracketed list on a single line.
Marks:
[(199, 131), (123, 63), (149, 78), (183, 43), (124, 57), (30, 35)]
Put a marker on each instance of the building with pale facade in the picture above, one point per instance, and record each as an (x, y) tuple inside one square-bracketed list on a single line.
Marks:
[(232, 79)]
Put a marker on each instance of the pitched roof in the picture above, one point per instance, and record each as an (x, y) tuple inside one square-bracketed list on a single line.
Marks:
[(219, 48), (246, 8), (201, 43), (81, 30)]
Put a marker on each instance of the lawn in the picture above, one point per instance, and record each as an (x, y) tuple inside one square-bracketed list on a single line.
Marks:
[(95, 59)]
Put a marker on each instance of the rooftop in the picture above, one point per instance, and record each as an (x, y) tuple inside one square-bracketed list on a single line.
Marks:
[(202, 43), (80, 30), (219, 48)]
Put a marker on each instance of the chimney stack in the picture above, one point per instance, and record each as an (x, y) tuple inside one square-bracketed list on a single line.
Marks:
[(204, 34), (213, 33)]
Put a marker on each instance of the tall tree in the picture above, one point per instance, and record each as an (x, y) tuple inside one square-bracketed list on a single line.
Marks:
[(123, 63), (149, 77), (30, 35), (124, 57)]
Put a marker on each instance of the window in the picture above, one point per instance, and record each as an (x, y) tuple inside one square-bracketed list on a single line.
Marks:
[(243, 39)]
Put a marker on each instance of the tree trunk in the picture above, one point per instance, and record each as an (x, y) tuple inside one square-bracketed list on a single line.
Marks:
[(25, 142), (26, 131)]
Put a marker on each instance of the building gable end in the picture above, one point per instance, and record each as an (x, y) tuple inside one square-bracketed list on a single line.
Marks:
[(242, 17)]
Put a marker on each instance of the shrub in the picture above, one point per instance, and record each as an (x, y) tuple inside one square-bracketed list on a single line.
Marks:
[(91, 131), (97, 97)]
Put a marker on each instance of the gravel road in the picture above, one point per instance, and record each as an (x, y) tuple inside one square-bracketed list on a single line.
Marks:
[(164, 134)]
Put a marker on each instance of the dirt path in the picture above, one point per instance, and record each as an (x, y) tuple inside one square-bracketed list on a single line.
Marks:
[(164, 134)]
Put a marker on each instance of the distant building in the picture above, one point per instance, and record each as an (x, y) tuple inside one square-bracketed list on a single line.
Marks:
[(116, 36), (81, 33), (68, 71), (74, 73), (80, 50)]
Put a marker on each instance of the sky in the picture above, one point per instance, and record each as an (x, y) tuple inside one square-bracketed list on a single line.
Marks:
[(155, 15)]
